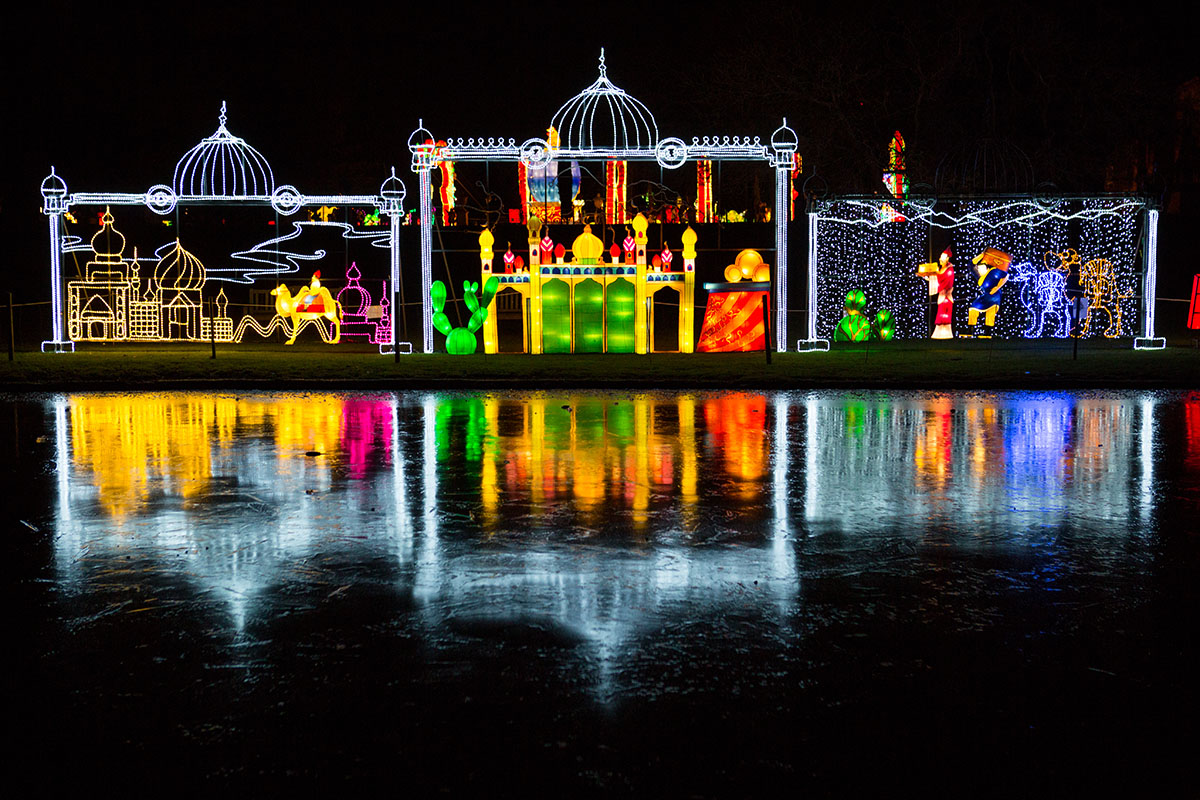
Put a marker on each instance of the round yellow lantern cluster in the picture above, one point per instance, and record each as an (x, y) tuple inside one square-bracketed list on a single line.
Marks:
[(748, 266)]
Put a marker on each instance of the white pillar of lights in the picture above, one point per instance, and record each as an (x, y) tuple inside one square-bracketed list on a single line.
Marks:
[(392, 194), (783, 146), (424, 159), (54, 203), (1147, 341), (812, 343)]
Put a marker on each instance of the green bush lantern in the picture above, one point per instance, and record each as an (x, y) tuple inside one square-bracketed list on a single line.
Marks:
[(461, 341), (884, 327), (856, 326), (853, 327)]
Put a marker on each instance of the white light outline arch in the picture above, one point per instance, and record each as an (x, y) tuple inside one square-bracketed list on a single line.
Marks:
[(778, 154), (163, 199)]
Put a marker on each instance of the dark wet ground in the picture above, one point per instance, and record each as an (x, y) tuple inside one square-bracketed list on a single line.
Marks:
[(660, 594)]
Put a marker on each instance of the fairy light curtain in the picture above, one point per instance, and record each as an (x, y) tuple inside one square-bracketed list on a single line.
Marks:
[(857, 247)]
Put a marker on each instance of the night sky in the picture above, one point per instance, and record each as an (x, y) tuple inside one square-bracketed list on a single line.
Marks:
[(112, 95)]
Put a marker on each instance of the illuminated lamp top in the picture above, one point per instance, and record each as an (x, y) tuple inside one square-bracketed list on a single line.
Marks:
[(420, 144), (784, 139), (640, 224), (393, 188), (53, 186), (689, 243), (223, 165)]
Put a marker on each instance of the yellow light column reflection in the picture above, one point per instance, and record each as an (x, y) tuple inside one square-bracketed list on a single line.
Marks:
[(641, 475), (492, 452), (689, 472), (537, 442)]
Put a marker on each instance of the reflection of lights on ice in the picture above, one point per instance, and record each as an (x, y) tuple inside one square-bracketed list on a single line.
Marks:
[(428, 577), (1017, 465), (1147, 456), (1030, 460)]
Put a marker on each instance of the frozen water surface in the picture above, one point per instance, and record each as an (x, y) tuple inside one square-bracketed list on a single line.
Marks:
[(679, 593)]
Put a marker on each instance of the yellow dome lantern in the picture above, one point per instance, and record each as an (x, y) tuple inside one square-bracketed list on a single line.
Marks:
[(587, 247), (486, 240)]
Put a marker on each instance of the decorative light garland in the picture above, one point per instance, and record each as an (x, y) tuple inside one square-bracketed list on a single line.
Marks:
[(704, 193), (614, 192)]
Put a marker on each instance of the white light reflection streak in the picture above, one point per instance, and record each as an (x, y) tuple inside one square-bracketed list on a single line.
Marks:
[(403, 525), (783, 565), (1147, 458), (427, 574), (810, 456), (779, 476), (61, 459)]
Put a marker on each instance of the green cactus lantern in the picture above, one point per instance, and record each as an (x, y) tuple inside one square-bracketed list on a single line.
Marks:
[(461, 341)]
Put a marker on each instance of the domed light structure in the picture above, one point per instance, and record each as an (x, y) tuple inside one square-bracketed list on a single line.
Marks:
[(180, 271), (604, 119), (986, 166), (221, 170), (392, 189), (54, 188), (604, 123), (223, 165), (784, 141)]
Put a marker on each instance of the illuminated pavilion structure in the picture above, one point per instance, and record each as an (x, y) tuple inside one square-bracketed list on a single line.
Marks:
[(604, 123), (222, 169)]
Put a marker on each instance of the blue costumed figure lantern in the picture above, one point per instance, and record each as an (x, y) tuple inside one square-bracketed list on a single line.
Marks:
[(992, 267)]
